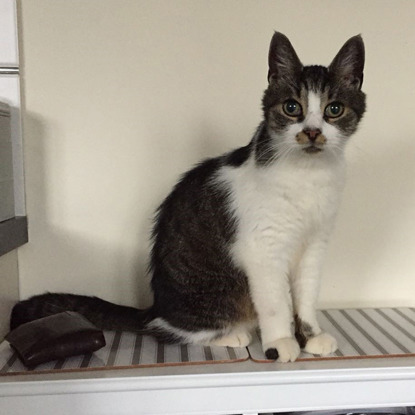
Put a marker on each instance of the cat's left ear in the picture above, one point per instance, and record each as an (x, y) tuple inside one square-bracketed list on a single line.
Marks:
[(347, 66)]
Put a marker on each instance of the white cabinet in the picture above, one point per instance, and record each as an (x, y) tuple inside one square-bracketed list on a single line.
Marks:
[(10, 94), (8, 34), (13, 221), (6, 165)]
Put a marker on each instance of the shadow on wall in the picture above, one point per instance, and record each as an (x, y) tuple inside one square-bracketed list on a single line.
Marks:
[(57, 256), (61, 256)]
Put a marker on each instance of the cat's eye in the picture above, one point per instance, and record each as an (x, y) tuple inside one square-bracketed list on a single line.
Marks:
[(292, 108), (334, 110)]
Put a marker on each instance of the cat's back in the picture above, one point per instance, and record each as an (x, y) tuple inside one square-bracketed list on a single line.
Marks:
[(194, 224)]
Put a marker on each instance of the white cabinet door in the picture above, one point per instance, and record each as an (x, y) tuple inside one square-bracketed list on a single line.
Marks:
[(10, 94), (6, 165), (8, 34)]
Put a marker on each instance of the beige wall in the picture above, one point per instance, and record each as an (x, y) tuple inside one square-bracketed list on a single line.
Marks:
[(9, 289), (123, 96)]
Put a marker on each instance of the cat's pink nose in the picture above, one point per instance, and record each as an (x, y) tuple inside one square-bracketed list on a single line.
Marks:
[(312, 134)]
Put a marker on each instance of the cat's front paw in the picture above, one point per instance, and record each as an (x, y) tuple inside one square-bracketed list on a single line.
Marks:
[(283, 350), (323, 344)]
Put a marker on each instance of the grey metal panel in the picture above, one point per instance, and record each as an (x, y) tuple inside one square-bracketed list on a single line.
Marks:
[(13, 233)]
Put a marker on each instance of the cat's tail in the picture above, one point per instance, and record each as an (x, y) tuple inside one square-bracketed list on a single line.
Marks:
[(101, 313)]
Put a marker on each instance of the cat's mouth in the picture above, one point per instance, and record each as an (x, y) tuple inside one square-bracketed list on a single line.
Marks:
[(312, 149)]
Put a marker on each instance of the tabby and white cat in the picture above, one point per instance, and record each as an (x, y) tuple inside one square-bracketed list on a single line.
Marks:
[(240, 240)]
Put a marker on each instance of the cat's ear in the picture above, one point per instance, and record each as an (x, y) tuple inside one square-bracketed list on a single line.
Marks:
[(283, 62), (347, 66)]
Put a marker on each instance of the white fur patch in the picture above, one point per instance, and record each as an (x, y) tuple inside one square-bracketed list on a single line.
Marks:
[(284, 212), (314, 117), (195, 337)]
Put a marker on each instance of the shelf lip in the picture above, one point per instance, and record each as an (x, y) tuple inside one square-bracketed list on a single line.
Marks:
[(245, 387), (13, 233), (14, 386)]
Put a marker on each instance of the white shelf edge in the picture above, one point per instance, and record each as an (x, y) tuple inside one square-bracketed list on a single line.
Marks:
[(267, 389)]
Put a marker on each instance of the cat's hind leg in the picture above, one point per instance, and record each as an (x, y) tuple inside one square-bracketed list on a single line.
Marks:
[(236, 338), (232, 337)]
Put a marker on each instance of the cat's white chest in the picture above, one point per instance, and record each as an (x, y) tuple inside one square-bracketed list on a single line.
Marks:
[(304, 195), (283, 205)]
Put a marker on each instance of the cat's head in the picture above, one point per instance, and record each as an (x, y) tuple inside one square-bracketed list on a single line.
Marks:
[(312, 110)]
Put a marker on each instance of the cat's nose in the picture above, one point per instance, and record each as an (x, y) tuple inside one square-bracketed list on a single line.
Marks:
[(312, 134)]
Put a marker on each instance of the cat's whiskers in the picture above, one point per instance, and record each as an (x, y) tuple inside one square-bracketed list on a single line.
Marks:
[(336, 150), (265, 153), (282, 153), (285, 152), (359, 149), (276, 153), (273, 151)]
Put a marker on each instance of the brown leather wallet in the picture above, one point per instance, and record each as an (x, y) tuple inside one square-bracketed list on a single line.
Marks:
[(55, 337)]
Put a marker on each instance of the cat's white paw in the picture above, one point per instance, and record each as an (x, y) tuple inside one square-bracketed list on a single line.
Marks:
[(323, 344), (283, 350), (234, 339)]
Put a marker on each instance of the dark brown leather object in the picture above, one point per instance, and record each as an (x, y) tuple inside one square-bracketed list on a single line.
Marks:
[(55, 337)]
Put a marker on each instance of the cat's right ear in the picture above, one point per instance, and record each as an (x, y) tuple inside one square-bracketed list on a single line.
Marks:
[(283, 62)]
